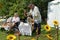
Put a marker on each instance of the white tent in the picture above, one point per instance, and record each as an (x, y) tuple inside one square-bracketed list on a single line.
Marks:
[(53, 12)]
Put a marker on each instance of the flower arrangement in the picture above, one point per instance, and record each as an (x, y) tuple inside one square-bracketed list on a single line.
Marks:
[(48, 29)]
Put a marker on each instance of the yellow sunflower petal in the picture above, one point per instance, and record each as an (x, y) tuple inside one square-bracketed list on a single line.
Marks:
[(11, 37), (55, 22), (47, 27), (49, 36), (33, 39)]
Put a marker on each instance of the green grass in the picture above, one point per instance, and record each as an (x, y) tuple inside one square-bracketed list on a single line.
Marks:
[(42, 36)]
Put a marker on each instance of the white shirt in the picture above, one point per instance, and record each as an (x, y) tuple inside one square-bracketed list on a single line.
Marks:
[(9, 19), (17, 19), (36, 14)]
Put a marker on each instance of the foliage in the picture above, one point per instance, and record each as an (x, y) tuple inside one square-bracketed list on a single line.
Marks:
[(9, 7)]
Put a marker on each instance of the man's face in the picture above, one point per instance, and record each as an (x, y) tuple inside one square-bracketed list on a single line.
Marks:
[(31, 6)]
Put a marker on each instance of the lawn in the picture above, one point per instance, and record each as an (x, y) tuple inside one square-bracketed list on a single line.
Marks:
[(42, 36)]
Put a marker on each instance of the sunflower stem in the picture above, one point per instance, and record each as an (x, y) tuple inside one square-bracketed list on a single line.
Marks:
[(19, 37), (37, 38), (57, 32), (37, 34)]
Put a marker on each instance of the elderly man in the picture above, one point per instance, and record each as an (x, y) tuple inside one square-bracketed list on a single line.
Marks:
[(34, 11)]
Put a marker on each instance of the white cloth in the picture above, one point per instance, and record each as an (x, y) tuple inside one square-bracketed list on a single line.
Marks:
[(36, 14), (9, 19), (57, 0), (13, 19), (2, 20), (25, 29), (53, 13), (7, 27)]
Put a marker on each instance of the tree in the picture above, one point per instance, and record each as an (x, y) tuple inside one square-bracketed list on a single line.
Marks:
[(9, 7)]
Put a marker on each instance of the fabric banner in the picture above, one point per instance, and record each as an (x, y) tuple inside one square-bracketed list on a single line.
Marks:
[(53, 12)]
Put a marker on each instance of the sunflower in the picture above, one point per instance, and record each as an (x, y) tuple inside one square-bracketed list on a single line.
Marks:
[(55, 22), (33, 39), (47, 28), (49, 36), (11, 37)]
